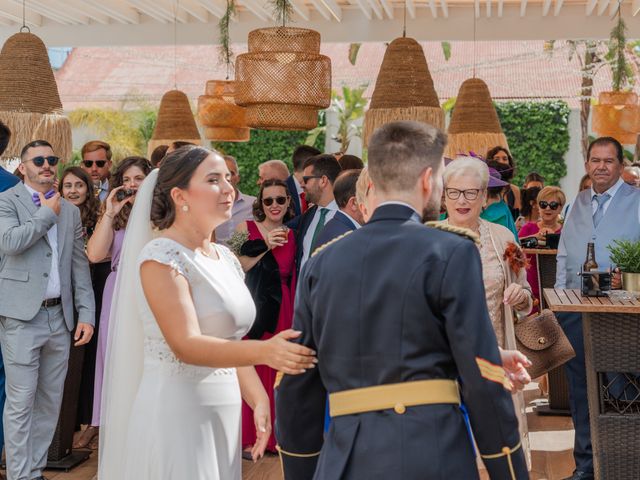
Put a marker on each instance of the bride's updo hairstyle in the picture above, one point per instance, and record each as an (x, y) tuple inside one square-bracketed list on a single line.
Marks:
[(176, 171)]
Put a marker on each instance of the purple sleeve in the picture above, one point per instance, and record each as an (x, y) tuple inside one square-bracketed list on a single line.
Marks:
[(528, 229)]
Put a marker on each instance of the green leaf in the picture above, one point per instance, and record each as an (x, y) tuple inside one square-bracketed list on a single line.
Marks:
[(446, 50), (354, 48)]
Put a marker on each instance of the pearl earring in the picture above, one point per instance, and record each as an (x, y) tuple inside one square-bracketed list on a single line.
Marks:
[(185, 208)]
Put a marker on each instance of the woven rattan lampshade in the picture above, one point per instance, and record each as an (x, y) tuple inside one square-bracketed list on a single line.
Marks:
[(617, 115), (29, 101), (474, 125), (175, 122), (283, 80), (217, 111), (404, 89)]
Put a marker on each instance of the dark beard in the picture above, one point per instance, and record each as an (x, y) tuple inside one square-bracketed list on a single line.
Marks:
[(431, 212)]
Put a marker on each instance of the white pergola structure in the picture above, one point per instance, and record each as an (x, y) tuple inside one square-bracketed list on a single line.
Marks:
[(71, 23)]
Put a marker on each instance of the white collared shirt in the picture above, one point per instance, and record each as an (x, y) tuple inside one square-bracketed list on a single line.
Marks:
[(355, 224), (53, 285), (241, 211), (298, 186), (308, 237), (612, 193)]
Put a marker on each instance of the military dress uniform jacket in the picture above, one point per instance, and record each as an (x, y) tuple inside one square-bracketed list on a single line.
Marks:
[(396, 301)]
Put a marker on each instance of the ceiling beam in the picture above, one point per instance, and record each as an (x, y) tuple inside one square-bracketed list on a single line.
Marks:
[(556, 10), (388, 8), (13, 12), (321, 9), (523, 8), (149, 11), (546, 6), (214, 7), (635, 7), (196, 10), (500, 7), (301, 9), (256, 9), (364, 7), (47, 13), (121, 13), (602, 6), (591, 5), (411, 8), (336, 11), (434, 8), (445, 8), (81, 9), (376, 8), (476, 8), (488, 8)]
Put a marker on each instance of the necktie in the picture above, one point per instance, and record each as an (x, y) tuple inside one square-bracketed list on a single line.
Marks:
[(36, 197), (601, 199), (304, 206), (319, 226)]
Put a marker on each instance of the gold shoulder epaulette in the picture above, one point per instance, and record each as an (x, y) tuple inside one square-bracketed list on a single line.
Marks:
[(463, 232), (331, 242)]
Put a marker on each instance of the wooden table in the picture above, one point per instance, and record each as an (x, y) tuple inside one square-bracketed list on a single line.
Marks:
[(558, 384), (611, 329)]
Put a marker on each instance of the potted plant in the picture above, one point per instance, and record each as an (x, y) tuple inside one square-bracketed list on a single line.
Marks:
[(625, 254)]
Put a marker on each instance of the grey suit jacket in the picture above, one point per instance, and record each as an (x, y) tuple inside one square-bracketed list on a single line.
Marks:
[(25, 258)]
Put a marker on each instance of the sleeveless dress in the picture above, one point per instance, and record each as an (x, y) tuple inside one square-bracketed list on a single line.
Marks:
[(103, 333), (285, 257), (185, 421)]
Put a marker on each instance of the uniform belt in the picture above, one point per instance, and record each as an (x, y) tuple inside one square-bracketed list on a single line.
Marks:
[(52, 302), (398, 396)]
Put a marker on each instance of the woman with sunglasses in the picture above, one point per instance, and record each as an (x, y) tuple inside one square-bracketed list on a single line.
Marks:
[(466, 181), (106, 242), (550, 201), (267, 255)]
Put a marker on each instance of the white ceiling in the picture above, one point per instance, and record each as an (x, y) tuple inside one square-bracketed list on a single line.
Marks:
[(73, 23)]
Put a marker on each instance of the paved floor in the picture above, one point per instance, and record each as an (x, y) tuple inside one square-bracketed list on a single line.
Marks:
[(551, 442)]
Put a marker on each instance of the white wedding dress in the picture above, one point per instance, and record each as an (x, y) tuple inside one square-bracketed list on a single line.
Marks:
[(185, 419)]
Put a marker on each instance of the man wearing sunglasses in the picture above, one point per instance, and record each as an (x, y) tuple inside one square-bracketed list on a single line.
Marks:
[(44, 280), (96, 161), (607, 211)]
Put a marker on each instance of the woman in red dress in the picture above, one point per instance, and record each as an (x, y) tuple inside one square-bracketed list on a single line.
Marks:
[(266, 249)]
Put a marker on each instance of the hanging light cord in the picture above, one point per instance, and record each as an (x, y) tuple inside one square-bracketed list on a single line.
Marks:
[(474, 43), (404, 20), (24, 26)]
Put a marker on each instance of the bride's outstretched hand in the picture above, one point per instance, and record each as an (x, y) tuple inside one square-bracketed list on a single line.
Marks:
[(288, 357), (262, 421)]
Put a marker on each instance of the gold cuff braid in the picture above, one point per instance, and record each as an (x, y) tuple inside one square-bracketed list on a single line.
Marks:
[(506, 452), (298, 455)]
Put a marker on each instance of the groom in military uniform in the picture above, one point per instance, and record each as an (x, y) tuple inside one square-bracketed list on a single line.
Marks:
[(397, 314)]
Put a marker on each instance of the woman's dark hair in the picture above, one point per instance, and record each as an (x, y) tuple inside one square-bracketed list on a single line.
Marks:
[(89, 209), (508, 173), (176, 171), (117, 180), (158, 154), (258, 208), (528, 196), (533, 177)]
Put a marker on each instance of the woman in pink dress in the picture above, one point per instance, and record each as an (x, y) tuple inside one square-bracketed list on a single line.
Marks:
[(550, 201), (266, 249)]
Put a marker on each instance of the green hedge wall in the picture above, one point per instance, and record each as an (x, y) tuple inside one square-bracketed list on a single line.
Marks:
[(538, 134), (264, 145)]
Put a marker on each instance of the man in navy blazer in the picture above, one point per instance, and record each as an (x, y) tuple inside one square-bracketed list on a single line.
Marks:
[(294, 183), (349, 217)]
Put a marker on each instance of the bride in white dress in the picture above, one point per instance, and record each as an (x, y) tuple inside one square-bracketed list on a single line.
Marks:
[(176, 369)]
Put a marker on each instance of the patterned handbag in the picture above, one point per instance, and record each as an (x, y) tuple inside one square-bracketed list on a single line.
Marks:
[(541, 338)]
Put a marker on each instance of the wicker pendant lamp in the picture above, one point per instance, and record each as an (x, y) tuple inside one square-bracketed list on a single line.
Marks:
[(474, 123), (175, 122), (283, 80), (404, 89), (29, 100), (223, 120)]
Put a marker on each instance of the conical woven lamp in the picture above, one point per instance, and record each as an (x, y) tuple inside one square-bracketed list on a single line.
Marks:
[(617, 115), (175, 122), (404, 89), (29, 100), (223, 120), (474, 125), (283, 80)]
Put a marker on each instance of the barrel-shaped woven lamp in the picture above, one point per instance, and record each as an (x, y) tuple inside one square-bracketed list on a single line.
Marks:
[(474, 125), (283, 80), (29, 100), (404, 89), (222, 119), (617, 115), (175, 122)]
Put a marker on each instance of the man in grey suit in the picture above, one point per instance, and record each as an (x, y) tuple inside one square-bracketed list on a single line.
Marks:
[(44, 273)]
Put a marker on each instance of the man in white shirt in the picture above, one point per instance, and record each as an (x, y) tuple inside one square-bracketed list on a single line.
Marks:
[(96, 161), (320, 173), (242, 209)]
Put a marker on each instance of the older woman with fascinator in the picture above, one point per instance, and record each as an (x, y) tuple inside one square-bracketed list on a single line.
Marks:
[(507, 291)]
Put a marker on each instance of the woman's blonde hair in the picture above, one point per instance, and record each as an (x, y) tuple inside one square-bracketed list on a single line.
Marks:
[(362, 185), (550, 194)]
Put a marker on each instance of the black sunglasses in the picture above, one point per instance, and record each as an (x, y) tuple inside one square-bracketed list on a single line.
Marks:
[(89, 163), (39, 161), (306, 178), (552, 205), (268, 201)]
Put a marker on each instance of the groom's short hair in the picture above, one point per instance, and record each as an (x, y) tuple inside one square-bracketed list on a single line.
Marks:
[(399, 152)]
